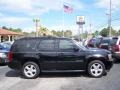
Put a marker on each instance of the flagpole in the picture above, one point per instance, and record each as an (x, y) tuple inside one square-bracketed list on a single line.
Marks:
[(62, 19)]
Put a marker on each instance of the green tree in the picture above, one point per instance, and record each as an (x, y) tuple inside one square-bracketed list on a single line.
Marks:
[(105, 32), (68, 33), (96, 33), (42, 30), (16, 30), (4, 27), (57, 33), (12, 29), (54, 32), (60, 33), (118, 33)]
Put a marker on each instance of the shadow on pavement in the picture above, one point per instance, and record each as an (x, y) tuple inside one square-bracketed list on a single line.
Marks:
[(66, 74), (3, 64), (116, 61), (13, 73)]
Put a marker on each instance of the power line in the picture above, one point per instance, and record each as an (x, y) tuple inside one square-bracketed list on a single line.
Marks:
[(116, 19)]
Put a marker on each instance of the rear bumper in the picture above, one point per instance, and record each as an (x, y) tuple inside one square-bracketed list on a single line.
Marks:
[(4, 60), (14, 65)]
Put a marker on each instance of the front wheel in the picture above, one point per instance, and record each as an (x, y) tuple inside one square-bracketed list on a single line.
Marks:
[(30, 70), (96, 68)]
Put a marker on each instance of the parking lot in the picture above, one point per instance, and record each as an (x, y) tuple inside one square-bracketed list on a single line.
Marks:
[(12, 80)]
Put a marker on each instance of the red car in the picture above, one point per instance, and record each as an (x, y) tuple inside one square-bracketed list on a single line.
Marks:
[(94, 42)]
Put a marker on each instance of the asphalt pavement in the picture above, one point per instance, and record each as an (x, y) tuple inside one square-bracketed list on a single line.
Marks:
[(12, 80)]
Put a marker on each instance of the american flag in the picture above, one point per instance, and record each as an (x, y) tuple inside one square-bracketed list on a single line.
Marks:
[(67, 9)]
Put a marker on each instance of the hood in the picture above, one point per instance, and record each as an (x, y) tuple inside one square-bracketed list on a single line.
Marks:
[(97, 50)]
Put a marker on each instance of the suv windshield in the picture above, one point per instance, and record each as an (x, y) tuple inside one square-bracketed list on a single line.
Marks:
[(79, 45)]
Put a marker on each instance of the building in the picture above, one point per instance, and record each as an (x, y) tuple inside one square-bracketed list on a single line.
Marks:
[(7, 35)]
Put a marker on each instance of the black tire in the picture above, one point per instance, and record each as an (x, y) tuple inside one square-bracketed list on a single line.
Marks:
[(100, 70), (35, 67)]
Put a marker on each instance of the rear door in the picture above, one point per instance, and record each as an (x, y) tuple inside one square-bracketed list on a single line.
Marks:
[(47, 54)]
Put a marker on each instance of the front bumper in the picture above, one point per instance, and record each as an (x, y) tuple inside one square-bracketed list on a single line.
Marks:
[(116, 55), (109, 65)]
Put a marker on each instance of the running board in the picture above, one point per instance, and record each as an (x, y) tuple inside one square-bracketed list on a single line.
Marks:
[(62, 70)]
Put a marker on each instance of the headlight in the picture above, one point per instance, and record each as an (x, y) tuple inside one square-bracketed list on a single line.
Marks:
[(110, 56)]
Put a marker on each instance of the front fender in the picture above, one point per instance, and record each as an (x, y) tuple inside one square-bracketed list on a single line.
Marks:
[(96, 57)]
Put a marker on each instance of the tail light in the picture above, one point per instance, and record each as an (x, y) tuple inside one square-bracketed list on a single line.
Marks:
[(116, 48), (10, 56)]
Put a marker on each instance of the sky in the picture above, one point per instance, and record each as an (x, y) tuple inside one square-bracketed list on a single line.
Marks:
[(20, 14)]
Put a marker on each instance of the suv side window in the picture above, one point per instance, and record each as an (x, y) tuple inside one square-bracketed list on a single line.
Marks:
[(47, 44), (24, 45), (65, 45)]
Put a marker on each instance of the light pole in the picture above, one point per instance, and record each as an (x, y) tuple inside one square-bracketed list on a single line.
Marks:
[(36, 25)]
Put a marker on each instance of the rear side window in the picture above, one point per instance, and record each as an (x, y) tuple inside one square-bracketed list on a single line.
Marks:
[(95, 41), (104, 41), (46, 45), (24, 45), (114, 41)]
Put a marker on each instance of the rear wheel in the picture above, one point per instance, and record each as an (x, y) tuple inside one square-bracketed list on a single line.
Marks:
[(30, 70), (96, 68)]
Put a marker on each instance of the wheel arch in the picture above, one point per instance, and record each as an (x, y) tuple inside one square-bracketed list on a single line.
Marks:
[(102, 59), (26, 59)]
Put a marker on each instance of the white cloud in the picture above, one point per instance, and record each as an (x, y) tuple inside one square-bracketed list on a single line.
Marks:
[(77, 4), (116, 27), (15, 4), (106, 4), (36, 7), (28, 29), (14, 20)]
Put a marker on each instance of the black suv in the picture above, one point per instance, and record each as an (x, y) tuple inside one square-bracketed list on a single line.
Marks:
[(52, 54)]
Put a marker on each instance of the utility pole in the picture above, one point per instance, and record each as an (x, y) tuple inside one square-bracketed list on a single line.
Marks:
[(36, 25), (108, 15), (110, 18), (90, 28)]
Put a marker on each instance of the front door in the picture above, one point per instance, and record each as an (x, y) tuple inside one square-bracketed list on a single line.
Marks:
[(68, 58)]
